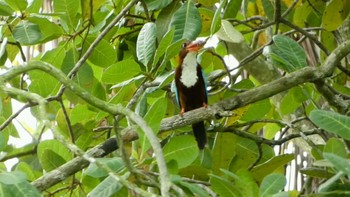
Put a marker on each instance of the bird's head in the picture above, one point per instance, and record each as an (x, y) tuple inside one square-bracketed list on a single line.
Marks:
[(190, 47)]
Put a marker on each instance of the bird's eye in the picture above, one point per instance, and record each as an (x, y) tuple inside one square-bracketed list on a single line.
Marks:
[(184, 45)]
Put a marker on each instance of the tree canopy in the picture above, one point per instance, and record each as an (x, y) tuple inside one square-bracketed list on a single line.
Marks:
[(98, 75)]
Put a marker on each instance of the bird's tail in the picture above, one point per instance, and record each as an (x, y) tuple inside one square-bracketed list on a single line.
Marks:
[(199, 134)]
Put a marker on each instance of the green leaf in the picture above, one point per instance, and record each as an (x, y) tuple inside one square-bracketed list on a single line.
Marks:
[(316, 172), (272, 184), (153, 118), (187, 22), (195, 189), (247, 153), (287, 54), (42, 83), (335, 13), (332, 122), (146, 43), (257, 110), (215, 25), (335, 146), (163, 45), (223, 151), (223, 187), (30, 172), (67, 9), (81, 114), (246, 183), (18, 5), (333, 181), (5, 9), (292, 100), (232, 9), (183, 149), (52, 154), (339, 163), (107, 187), (228, 33), (22, 189), (156, 4), (27, 33), (116, 164), (259, 172), (120, 71), (164, 18), (55, 57), (103, 54), (49, 30), (12, 177)]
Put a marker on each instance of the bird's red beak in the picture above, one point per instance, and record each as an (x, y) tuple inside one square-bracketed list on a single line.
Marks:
[(195, 46)]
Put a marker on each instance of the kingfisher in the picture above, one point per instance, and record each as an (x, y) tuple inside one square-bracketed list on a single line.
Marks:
[(191, 89)]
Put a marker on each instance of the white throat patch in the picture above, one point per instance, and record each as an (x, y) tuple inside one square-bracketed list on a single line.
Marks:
[(189, 70)]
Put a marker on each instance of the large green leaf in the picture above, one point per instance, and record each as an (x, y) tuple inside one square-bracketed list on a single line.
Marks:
[(195, 189), (67, 9), (43, 84), (232, 9), (146, 43), (223, 187), (22, 189), (223, 151), (107, 187), (187, 22), (18, 5), (228, 33), (52, 154), (157, 4), (121, 71), (287, 54), (272, 184), (335, 146), (182, 149), (259, 172), (332, 122), (247, 153), (12, 177), (5, 9), (27, 33), (115, 164), (81, 114), (103, 54), (335, 13), (153, 118), (215, 25), (163, 45), (292, 100), (164, 18), (339, 163), (49, 30)]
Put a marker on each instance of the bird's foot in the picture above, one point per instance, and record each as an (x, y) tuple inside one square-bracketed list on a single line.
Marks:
[(205, 105), (182, 111)]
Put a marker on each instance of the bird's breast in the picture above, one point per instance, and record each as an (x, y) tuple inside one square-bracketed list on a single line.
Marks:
[(189, 75)]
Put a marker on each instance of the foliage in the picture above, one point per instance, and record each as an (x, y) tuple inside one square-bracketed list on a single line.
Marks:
[(90, 71)]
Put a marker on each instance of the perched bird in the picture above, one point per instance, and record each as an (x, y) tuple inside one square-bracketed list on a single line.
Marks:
[(191, 91)]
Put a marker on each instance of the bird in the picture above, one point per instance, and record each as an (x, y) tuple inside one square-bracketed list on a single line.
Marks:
[(190, 86)]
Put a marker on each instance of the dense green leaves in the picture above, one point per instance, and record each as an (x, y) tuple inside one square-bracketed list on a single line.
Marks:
[(134, 49)]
